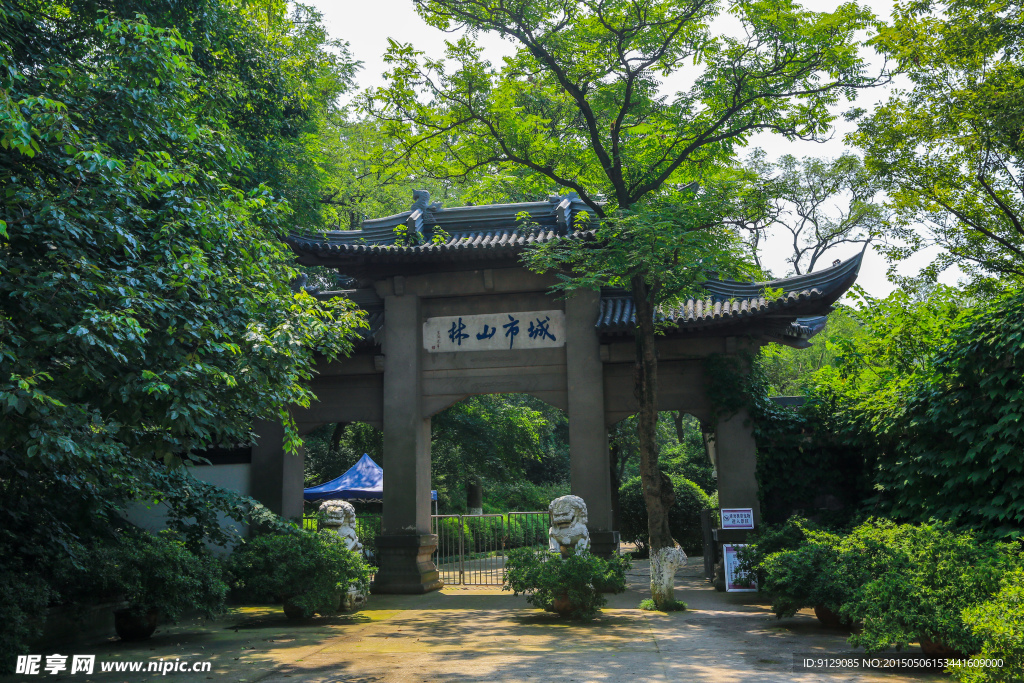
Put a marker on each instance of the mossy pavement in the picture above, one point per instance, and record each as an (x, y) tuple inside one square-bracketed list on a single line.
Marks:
[(484, 634)]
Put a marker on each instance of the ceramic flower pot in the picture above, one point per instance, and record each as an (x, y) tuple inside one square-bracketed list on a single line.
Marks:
[(293, 611), (936, 649), (562, 605), (131, 625)]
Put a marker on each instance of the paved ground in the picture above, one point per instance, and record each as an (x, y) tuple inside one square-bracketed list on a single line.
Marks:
[(464, 634)]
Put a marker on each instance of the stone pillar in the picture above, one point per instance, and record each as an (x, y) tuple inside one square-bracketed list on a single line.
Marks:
[(589, 466), (406, 544), (736, 456), (277, 478)]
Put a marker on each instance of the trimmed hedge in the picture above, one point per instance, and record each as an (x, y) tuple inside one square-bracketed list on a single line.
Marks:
[(684, 515)]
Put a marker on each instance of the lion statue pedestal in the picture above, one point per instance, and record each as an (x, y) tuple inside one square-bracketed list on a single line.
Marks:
[(568, 533), (340, 517)]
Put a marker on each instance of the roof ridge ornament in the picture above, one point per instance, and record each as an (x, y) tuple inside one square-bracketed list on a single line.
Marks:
[(563, 209), (421, 213)]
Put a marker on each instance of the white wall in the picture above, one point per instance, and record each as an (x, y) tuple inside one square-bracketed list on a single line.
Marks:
[(153, 517)]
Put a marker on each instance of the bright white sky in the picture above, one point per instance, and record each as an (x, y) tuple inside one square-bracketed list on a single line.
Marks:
[(367, 24)]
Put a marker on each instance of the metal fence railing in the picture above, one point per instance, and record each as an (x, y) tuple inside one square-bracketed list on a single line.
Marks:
[(471, 548), (528, 529)]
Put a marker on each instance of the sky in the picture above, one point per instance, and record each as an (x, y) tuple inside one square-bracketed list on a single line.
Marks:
[(368, 24)]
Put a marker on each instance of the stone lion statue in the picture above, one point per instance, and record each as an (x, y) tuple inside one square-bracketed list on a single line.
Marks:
[(568, 532), (341, 518)]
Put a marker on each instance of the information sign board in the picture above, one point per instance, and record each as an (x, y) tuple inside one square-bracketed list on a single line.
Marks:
[(735, 580), (737, 518)]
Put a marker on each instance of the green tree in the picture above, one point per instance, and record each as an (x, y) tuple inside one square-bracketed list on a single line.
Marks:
[(821, 203), (578, 106), (145, 310), (948, 149), (490, 436)]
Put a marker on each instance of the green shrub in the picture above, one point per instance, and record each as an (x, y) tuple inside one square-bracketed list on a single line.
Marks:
[(1000, 624), (25, 597), (901, 582), (954, 450), (487, 533), (915, 581), (811, 574), (158, 572), (668, 606), (684, 515), (312, 570), (543, 578), (613, 580)]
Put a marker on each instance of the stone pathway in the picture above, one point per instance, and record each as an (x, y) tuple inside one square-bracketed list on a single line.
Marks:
[(465, 635)]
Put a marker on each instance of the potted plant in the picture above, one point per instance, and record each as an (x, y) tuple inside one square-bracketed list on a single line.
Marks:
[(570, 587), (918, 582), (309, 572), (811, 575), (160, 579)]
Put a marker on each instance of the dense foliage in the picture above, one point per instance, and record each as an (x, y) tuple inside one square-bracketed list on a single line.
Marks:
[(145, 306), (999, 625), (312, 570), (914, 581), (580, 579), (948, 149), (683, 515), (914, 415), (956, 449), (158, 572), (899, 583)]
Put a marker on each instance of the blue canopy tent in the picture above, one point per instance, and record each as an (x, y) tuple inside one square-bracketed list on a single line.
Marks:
[(363, 482)]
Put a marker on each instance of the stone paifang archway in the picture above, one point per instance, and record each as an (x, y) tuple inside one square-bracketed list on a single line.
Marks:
[(463, 316)]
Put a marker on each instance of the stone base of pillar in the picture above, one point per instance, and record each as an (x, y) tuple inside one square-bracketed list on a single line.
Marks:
[(604, 543), (405, 565)]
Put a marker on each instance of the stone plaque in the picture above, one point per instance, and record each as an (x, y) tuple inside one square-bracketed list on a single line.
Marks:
[(495, 332)]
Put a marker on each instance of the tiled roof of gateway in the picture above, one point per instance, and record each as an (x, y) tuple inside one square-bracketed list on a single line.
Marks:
[(790, 319), (799, 311), (473, 232), (494, 232)]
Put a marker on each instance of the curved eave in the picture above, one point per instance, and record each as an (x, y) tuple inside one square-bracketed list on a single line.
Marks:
[(791, 319), (837, 278)]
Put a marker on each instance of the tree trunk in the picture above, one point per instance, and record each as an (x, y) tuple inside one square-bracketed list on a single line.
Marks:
[(677, 419), (475, 495), (339, 431), (658, 493)]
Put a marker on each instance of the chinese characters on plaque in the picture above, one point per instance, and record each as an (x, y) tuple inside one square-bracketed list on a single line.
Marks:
[(495, 332)]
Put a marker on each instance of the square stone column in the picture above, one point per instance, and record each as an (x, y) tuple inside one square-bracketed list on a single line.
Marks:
[(736, 456), (589, 468), (406, 544), (276, 478)]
